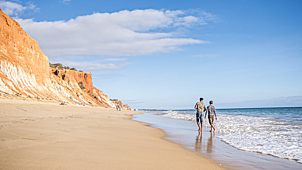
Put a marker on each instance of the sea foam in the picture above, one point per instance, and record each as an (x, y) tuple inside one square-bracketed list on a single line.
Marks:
[(266, 135)]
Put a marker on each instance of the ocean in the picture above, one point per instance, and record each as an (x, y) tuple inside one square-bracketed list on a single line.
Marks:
[(275, 132)]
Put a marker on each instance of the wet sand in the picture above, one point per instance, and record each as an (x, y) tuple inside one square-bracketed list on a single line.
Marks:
[(210, 146), (49, 136)]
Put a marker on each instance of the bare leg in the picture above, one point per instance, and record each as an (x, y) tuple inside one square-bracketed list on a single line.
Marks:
[(212, 127), (198, 126)]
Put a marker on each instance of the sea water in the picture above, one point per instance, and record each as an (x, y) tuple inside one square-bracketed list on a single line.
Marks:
[(270, 131)]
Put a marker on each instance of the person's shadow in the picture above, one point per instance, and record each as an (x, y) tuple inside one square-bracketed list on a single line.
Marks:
[(210, 143), (198, 142)]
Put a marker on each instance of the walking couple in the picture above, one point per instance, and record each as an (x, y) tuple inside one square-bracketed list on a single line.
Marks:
[(200, 106)]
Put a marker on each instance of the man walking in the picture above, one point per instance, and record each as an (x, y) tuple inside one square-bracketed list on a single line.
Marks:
[(211, 112), (200, 106)]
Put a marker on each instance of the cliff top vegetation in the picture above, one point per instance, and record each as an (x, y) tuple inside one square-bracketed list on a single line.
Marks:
[(60, 66)]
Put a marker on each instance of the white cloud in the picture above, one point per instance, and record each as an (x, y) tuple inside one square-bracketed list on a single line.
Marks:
[(209, 17), (123, 33), (188, 21), (10, 8), (66, 1), (94, 66), (14, 9), (115, 59)]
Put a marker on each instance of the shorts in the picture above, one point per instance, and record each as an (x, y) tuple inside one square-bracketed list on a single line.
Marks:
[(199, 117), (211, 119)]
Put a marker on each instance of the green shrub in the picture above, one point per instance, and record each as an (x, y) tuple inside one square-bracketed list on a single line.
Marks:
[(81, 85), (59, 66)]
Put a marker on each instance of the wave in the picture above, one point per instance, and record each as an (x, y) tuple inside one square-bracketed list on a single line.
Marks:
[(266, 135)]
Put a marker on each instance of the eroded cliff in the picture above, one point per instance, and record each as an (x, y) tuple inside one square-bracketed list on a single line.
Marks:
[(25, 72)]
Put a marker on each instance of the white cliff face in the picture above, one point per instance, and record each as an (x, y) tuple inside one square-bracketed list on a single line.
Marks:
[(4, 88), (60, 89), (104, 99), (18, 79), (109, 102), (83, 100)]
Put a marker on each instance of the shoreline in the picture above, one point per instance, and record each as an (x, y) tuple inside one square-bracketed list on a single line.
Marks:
[(36, 135), (185, 133)]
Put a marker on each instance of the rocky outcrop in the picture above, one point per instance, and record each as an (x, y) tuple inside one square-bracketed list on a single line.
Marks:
[(117, 102), (25, 72), (78, 87)]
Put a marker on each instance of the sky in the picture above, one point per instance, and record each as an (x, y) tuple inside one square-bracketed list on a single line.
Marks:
[(167, 54)]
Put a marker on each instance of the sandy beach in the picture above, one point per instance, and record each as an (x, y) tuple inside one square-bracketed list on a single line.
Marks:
[(37, 135)]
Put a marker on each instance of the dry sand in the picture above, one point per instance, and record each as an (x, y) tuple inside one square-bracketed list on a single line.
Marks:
[(49, 136)]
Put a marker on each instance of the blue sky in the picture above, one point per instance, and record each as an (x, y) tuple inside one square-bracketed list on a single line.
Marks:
[(167, 54)]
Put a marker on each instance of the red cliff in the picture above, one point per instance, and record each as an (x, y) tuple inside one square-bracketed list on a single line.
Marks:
[(117, 102), (25, 72)]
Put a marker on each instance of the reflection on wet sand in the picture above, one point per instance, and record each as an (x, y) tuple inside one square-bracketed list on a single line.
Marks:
[(210, 143), (198, 142)]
